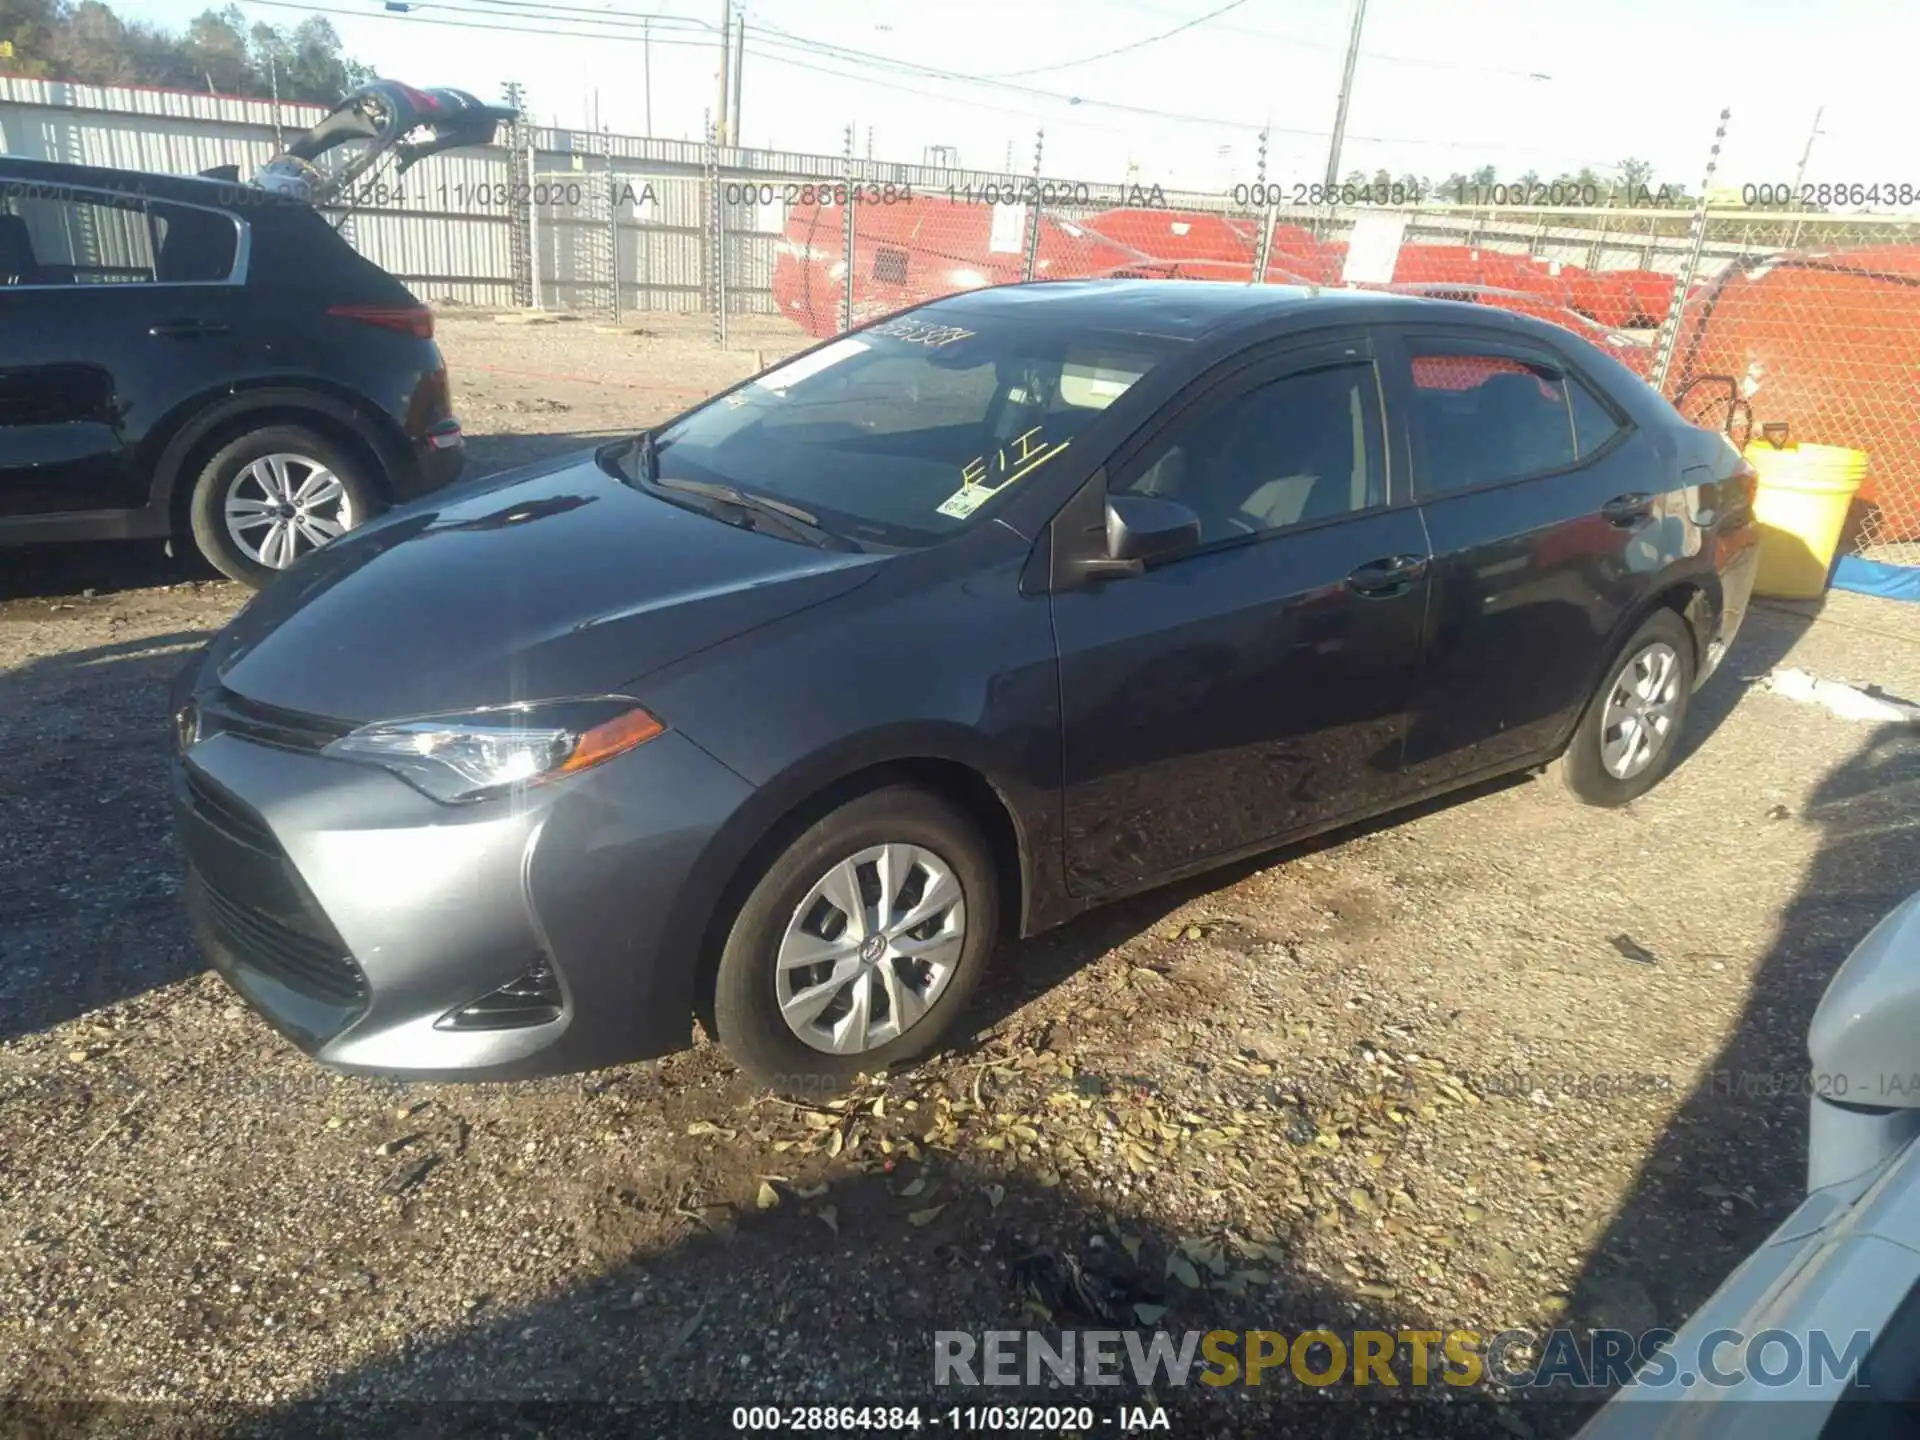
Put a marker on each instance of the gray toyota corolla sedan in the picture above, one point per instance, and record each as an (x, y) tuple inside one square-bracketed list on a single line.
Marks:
[(783, 714)]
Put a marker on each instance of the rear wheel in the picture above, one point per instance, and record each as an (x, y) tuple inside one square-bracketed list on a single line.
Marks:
[(273, 495), (1628, 737), (860, 943)]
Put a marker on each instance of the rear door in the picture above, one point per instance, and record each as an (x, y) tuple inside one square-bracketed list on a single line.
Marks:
[(117, 310), (1538, 494), (1256, 685)]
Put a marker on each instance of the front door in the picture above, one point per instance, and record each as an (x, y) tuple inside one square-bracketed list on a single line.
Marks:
[(1540, 498), (1257, 685)]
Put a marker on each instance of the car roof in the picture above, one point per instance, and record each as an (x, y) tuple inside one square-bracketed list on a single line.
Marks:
[(1191, 309), (184, 189)]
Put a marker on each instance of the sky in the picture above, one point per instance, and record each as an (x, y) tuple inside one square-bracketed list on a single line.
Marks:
[(1546, 86)]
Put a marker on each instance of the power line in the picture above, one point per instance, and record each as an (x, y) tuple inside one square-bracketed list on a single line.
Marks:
[(543, 18), (1123, 49)]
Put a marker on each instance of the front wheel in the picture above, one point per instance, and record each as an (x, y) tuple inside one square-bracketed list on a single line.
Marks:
[(1629, 736), (859, 945), (273, 495)]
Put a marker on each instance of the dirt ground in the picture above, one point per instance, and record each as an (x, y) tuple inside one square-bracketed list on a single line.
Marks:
[(1502, 1062)]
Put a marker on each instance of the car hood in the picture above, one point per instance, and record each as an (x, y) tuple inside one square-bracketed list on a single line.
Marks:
[(551, 581)]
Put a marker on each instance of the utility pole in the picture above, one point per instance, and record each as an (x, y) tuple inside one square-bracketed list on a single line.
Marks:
[(646, 72), (739, 64), (726, 67), (1801, 173), (1346, 94)]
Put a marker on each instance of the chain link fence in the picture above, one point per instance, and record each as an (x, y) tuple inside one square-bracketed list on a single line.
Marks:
[(1746, 318)]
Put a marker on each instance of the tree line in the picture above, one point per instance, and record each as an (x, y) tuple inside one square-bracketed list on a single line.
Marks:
[(1632, 182), (218, 51)]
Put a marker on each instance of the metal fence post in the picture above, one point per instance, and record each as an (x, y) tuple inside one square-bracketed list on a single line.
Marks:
[(846, 288), (613, 231), (714, 223), (1034, 211), (1263, 250), (532, 217), (1696, 240)]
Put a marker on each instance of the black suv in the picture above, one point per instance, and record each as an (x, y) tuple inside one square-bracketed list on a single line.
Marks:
[(198, 354)]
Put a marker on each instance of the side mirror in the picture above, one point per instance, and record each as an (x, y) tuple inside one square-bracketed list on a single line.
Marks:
[(1864, 1043), (1141, 529)]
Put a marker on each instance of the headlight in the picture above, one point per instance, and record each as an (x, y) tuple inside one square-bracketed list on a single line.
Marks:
[(480, 753)]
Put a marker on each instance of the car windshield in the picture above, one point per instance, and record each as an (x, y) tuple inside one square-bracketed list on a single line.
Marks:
[(907, 432)]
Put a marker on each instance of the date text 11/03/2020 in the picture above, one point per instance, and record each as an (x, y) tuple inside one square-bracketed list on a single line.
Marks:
[(1044, 193), (907, 1419)]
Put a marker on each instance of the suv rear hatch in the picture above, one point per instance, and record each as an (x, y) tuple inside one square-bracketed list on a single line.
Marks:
[(377, 121)]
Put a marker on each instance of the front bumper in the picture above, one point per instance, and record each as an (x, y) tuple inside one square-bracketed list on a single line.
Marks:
[(354, 913)]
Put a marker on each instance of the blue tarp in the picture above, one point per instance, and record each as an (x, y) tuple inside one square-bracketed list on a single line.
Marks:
[(1871, 577)]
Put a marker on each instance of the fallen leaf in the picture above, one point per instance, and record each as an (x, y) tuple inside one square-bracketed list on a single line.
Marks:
[(707, 1127), (768, 1196), (830, 1218), (924, 1217), (1148, 1314), (914, 1187), (995, 1194), (835, 1144), (812, 1192), (1180, 1268), (1375, 1291), (879, 1109), (1131, 1244)]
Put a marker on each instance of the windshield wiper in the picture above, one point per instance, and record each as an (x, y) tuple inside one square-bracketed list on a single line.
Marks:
[(788, 519)]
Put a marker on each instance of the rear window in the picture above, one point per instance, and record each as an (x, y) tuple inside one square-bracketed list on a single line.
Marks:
[(909, 431)]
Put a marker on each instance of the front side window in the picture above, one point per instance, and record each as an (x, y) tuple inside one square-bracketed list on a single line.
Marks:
[(1298, 449), (1487, 417), (906, 432)]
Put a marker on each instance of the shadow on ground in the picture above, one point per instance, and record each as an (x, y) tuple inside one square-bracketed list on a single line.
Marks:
[(1732, 1164), (89, 906)]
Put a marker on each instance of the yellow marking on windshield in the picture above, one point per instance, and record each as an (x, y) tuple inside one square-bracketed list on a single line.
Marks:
[(1019, 457)]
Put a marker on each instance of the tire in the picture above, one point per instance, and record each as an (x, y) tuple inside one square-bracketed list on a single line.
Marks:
[(253, 554), (750, 984), (1586, 767)]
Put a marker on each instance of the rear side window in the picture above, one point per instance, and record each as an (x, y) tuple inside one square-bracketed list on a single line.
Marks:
[(1593, 423), (1482, 418), (191, 246)]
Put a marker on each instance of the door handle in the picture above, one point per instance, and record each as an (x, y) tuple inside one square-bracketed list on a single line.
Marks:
[(186, 329), (1627, 510), (1386, 577)]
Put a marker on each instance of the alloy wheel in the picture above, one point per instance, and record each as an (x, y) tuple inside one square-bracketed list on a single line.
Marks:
[(283, 506)]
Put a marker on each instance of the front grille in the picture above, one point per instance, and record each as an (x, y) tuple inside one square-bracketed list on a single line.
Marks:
[(227, 814), (224, 712), (301, 962)]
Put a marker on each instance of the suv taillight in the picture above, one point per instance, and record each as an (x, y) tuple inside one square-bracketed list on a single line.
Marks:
[(414, 320)]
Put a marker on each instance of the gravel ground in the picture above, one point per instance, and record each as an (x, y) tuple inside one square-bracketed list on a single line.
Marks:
[(1505, 1062)]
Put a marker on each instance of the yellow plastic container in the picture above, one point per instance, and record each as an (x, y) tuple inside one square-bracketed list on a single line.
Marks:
[(1804, 494)]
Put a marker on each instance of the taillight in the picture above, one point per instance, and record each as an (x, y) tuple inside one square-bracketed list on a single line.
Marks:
[(414, 320)]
